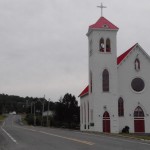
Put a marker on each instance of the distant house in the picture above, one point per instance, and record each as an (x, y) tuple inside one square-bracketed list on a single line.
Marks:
[(12, 113), (49, 113)]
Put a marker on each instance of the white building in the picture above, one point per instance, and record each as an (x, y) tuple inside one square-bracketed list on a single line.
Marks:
[(118, 93), (48, 113)]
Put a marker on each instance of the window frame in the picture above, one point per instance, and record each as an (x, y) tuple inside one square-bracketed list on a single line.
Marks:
[(138, 112), (91, 82), (105, 81), (101, 48), (108, 45), (137, 64), (120, 107)]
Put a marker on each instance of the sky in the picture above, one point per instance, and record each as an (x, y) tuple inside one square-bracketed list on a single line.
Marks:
[(44, 47)]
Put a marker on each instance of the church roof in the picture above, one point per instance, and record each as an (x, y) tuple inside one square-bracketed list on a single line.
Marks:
[(122, 56), (103, 23), (119, 60), (84, 92)]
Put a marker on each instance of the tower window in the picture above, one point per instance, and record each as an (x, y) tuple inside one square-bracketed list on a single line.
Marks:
[(105, 26), (90, 47), (120, 107), (101, 45), (108, 46), (105, 77)]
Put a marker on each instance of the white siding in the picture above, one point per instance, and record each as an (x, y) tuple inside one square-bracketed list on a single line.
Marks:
[(132, 99)]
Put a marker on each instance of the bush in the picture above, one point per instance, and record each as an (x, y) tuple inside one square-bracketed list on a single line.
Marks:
[(125, 129), (30, 119), (38, 120)]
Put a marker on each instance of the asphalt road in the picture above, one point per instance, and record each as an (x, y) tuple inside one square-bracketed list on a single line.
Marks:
[(15, 136)]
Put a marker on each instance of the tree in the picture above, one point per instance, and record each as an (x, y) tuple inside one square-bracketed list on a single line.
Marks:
[(67, 111)]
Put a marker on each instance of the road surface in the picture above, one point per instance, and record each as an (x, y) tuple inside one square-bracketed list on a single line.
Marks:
[(15, 136)]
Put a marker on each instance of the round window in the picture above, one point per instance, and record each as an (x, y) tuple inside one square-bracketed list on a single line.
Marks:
[(137, 84)]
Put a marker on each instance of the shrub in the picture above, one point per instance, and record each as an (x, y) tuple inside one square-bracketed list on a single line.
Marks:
[(125, 129), (30, 119)]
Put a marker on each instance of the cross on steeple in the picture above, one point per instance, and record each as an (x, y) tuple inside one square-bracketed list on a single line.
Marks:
[(101, 6)]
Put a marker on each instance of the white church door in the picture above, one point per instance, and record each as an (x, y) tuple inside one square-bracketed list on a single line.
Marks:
[(139, 123), (106, 122)]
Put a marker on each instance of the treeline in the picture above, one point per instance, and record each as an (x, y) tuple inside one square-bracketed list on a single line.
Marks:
[(64, 113), (9, 103)]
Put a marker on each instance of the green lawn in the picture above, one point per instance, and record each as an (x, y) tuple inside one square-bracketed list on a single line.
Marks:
[(145, 137), (2, 117)]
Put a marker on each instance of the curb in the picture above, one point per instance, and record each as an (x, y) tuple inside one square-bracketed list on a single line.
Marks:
[(118, 135)]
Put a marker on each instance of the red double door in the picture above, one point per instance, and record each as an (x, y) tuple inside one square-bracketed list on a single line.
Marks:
[(139, 125), (106, 122)]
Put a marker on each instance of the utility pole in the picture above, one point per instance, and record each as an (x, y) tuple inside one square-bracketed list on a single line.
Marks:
[(42, 110), (31, 107), (26, 105), (34, 116), (48, 114)]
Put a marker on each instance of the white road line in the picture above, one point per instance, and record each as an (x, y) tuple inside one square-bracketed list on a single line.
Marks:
[(72, 139), (25, 128), (3, 123), (87, 142), (60, 136), (8, 134)]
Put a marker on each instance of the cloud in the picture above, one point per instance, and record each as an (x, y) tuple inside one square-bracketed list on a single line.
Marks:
[(43, 46)]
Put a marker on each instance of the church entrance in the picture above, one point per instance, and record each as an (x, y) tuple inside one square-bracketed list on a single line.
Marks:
[(139, 123), (106, 122)]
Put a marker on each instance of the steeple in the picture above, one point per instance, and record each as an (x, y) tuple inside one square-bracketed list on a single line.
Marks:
[(103, 88), (101, 6), (103, 23)]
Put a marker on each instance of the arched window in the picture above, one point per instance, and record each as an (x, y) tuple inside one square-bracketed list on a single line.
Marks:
[(137, 64), (108, 46), (105, 79), (138, 112), (101, 45), (120, 107), (81, 113), (91, 84), (91, 115), (84, 115), (90, 47), (88, 115), (106, 114)]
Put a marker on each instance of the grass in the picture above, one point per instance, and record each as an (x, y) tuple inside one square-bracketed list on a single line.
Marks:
[(137, 136), (2, 117), (23, 119)]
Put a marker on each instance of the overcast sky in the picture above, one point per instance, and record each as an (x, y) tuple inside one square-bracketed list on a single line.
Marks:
[(43, 43)]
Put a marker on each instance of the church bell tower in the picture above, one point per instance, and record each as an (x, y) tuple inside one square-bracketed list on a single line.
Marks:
[(103, 86)]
